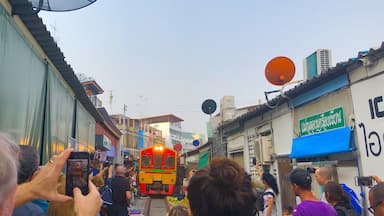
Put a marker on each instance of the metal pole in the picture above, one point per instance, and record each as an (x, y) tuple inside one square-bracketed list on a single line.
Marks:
[(42, 141), (124, 131), (186, 158)]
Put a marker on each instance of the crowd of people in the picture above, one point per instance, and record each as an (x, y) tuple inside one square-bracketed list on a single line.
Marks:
[(29, 189), (116, 184), (223, 188), (38, 184), (220, 188)]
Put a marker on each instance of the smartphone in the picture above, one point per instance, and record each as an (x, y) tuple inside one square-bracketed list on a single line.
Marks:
[(311, 169), (363, 180), (77, 173)]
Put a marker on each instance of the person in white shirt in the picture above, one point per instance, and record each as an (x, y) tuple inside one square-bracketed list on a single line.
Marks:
[(270, 193)]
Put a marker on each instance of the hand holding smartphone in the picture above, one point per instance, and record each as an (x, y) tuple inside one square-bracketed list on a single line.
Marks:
[(77, 173), (363, 180)]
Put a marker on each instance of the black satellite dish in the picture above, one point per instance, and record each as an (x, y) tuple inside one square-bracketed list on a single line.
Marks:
[(60, 5), (49, 5), (209, 106)]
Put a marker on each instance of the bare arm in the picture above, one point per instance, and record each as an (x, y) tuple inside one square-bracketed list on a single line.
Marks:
[(258, 168), (128, 195), (23, 195), (270, 206), (110, 171)]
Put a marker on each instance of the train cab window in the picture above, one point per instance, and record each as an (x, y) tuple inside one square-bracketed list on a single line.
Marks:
[(146, 161), (169, 162), (158, 161)]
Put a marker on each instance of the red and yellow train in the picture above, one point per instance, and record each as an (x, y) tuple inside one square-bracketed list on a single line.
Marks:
[(157, 170)]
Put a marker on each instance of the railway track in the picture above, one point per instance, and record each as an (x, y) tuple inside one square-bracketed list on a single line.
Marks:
[(157, 206)]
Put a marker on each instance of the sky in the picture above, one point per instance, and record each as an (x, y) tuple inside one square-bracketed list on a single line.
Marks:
[(168, 56)]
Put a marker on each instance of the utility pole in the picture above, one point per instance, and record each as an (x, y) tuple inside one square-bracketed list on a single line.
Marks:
[(124, 130), (120, 156), (110, 101)]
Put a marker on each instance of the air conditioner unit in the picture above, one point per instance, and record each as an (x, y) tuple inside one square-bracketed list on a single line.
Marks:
[(266, 148)]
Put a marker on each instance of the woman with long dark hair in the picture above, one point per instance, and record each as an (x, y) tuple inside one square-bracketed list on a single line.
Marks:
[(270, 193), (336, 196)]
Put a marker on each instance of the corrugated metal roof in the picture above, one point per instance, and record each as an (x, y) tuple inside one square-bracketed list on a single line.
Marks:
[(340, 69), (39, 31)]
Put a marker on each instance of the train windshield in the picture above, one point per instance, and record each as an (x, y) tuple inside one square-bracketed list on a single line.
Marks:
[(169, 162), (158, 160), (146, 161)]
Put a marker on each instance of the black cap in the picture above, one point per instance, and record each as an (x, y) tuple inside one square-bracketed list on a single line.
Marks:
[(300, 177)]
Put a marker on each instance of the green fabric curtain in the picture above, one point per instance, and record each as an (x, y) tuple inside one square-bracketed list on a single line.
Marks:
[(203, 159), (59, 114), (25, 83), (22, 77), (28, 87), (85, 129)]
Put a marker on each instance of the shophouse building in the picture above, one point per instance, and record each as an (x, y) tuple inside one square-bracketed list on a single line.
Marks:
[(107, 134), (136, 135), (332, 119)]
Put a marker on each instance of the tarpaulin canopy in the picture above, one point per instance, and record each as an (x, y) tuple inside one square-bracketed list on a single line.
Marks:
[(328, 142)]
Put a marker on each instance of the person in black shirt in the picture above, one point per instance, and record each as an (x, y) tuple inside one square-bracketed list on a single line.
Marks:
[(121, 193)]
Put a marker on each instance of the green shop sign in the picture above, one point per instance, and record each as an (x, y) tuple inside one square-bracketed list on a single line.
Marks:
[(322, 122)]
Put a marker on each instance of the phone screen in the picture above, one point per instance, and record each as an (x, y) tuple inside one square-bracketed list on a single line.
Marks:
[(364, 181), (77, 173)]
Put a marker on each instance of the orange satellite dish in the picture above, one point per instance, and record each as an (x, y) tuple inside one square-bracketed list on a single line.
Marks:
[(280, 70), (88, 92)]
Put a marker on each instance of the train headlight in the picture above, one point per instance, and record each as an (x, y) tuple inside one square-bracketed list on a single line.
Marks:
[(159, 148)]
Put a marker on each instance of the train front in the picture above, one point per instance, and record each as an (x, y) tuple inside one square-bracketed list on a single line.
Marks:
[(157, 170)]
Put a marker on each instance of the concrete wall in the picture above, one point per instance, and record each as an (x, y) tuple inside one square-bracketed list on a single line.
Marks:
[(341, 98), (283, 134), (236, 144), (367, 94)]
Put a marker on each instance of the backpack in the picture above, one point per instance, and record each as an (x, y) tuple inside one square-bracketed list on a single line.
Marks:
[(259, 204), (106, 194), (354, 199), (347, 212)]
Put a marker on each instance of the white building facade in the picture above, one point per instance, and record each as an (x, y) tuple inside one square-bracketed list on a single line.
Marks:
[(169, 125)]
